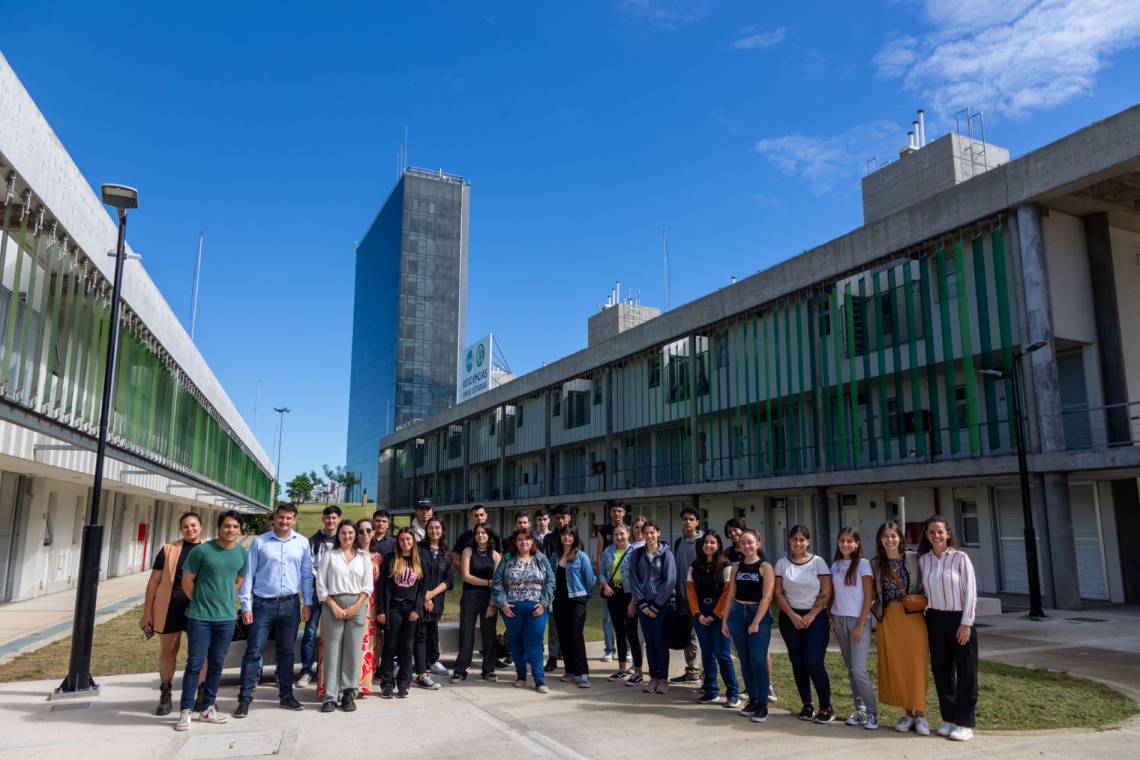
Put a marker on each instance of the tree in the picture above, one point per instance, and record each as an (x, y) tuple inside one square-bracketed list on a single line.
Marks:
[(300, 488), (343, 477)]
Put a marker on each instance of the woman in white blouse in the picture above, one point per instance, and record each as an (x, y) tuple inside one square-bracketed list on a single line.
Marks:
[(803, 590), (344, 580), (952, 598)]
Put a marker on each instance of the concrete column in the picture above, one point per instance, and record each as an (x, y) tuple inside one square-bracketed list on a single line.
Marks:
[(1106, 312), (1046, 409), (502, 451), (466, 460), (546, 463), (822, 540), (607, 403), (1039, 326)]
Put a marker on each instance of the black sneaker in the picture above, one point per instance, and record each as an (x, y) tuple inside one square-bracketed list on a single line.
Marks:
[(551, 664), (328, 706), (290, 703), (749, 709), (457, 677), (808, 713), (402, 694), (348, 703), (619, 675), (492, 677), (825, 715), (686, 678), (761, 714), (708, 699), (386, 691), (242, 708)]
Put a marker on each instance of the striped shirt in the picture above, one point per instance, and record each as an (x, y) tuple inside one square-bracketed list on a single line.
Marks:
[(950, 584)]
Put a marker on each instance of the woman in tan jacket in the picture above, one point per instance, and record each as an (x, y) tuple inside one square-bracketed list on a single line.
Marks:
[(164, 607)]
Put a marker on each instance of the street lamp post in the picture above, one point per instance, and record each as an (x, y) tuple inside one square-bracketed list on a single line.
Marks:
[(281, 410), (1036, 611), (79, 681)]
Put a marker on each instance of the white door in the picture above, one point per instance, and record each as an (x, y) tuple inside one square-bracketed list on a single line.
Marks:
[(1011, 540), (1089, 542)]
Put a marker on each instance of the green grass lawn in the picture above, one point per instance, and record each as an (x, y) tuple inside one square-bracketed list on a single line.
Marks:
[(1011, 697), (309, 515)]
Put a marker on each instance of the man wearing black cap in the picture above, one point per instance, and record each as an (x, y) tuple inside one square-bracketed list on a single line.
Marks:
[(424, 512)]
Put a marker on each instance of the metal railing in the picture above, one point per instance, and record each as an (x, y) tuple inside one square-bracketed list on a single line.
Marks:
[(1108, 426)]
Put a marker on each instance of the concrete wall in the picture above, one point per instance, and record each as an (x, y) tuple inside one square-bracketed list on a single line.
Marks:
[(1069, 282), (1126, 262)]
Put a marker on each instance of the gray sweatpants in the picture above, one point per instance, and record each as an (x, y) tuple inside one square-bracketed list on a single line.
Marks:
[(342, 641), (855, 655)]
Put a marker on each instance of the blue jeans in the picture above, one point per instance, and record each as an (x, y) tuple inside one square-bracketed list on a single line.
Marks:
[(282, 617), (806, 649), (752, 648), (524, 631), (716, 649), (205, 638), (656, 650), (608, 631), (309, 641)]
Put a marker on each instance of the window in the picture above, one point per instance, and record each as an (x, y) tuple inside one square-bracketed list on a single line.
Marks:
[(597, 390), (679, 378), (491, 426), (418, 454), (702, 447), (971, 526), (655, 372), (960, 405), (519, 415), (577, 409), (893, 416), (556, 404), (824, 318), (887, 317), (720, 340), (454, 444)]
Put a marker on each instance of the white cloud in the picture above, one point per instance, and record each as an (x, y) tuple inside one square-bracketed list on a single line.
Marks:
[(666, 14), (824, 162), (1009, 56), (751, 37)]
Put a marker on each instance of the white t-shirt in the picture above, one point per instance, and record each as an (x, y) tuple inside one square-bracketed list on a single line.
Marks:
[(848, 599), (801, 582)]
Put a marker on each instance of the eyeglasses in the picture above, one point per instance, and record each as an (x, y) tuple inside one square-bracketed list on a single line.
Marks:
[(367, 530)]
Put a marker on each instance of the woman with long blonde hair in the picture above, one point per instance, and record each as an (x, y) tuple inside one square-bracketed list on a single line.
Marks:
[(401, 606)]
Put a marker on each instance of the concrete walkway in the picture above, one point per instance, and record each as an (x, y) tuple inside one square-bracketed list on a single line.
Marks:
[(33, 623)]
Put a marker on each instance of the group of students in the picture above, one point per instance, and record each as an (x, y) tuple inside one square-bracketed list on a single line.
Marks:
[(364, 591)]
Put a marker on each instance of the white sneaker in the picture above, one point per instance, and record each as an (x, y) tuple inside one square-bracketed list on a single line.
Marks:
[(183, 723), (921, 727), (946, 729), (607, 657), (961, 734), (211, 715), (438, 668), (772, 694), (905, 724), (305, 680)]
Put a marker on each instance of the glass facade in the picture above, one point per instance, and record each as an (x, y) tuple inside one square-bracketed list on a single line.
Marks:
[(55, 314), (409, 315)]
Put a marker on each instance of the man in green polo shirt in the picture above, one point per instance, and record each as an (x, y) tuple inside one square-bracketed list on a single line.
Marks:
[(211, 577)]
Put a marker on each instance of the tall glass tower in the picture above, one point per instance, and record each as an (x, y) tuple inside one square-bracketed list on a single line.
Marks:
[(409, 313)]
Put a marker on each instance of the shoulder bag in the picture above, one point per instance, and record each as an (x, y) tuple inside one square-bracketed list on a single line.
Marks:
[(912, 603)]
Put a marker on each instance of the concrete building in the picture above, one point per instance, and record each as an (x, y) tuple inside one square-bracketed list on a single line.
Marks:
[(409, 313), (177, 442), (843, 386)]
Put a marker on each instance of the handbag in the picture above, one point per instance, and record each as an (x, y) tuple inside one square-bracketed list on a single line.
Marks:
[(912, 603)]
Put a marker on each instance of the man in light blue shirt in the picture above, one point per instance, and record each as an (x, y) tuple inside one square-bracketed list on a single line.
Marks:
[(280, 568)]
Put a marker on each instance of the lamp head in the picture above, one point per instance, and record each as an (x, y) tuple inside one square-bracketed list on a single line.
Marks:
[(1034, 346), (121, 197)]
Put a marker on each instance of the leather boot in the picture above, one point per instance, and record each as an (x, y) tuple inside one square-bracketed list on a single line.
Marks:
[(164, 706)]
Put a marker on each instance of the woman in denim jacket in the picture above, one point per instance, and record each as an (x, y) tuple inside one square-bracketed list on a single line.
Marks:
[(574, 584)]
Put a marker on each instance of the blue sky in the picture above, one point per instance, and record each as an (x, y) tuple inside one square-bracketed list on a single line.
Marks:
[(585, 129)]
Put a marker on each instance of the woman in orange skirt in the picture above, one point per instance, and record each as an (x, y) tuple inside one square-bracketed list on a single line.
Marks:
[(902, 640)]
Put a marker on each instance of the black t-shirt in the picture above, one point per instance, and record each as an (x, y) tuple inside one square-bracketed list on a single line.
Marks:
[(749, 581), (606, 533), (383, 546), (467, 539), (160, 564), (734, 554)]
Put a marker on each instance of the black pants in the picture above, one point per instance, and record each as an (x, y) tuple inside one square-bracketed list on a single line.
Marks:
[(399, 642), (955, 667), (625, 627), (570, 617), (473, 613), (427, 645)]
